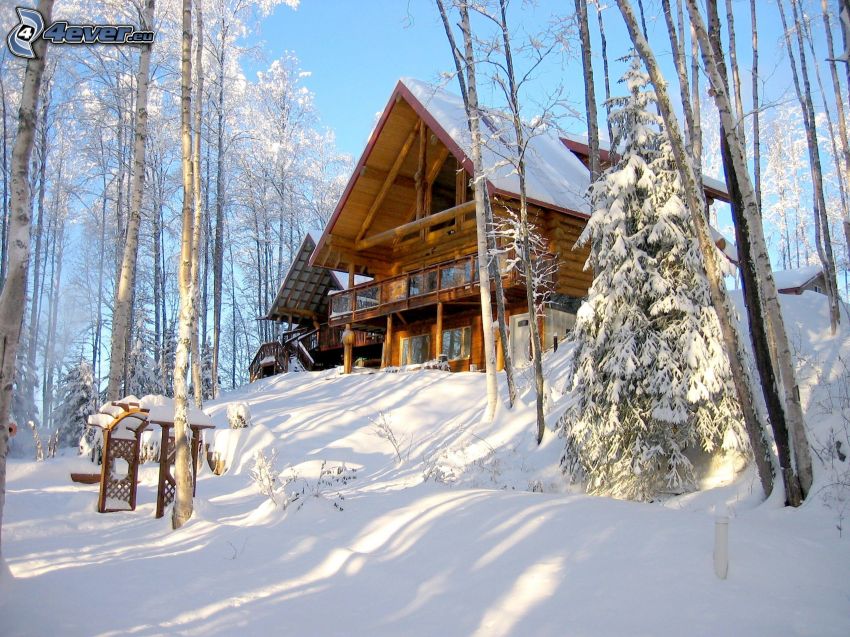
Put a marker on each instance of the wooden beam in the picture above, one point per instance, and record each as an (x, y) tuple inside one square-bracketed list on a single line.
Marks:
[(388, 343), (420, 171), (391, 175), (461, 180), (382, 237), (438, 342), (401, 318)]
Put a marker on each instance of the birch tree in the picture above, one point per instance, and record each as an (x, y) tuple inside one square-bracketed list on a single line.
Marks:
[(127, 280), (764, 283), (823, 240), (480, 194), (12, 297), (458, 58), (182, 459)]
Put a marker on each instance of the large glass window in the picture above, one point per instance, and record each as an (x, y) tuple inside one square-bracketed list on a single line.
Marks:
[(456, 343), (415, 349)]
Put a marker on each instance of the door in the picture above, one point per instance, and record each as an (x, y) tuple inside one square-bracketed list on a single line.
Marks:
[(520, 339)]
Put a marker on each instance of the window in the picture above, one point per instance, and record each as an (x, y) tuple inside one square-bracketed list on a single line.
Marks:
[(415, 349), (456, 343)]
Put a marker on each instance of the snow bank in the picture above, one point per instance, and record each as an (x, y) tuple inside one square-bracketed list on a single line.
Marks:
[(394, 553)]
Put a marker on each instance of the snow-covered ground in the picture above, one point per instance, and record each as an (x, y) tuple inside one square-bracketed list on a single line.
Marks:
[(445, 536)]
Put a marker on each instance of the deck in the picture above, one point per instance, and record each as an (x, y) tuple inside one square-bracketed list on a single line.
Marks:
[(445, 282)]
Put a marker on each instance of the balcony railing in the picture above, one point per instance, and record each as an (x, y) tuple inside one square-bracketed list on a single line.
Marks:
[(331, 337), (443, 281)]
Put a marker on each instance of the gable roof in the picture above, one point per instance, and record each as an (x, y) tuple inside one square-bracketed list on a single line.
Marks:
[(304, 291), (556, 178), (578, 144)]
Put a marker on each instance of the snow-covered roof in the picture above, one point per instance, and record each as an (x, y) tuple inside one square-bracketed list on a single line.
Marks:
[(797, 277), (554, 176), (716, 188)]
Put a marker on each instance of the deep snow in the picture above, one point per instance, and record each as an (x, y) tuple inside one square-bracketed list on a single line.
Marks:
[(468, 551)]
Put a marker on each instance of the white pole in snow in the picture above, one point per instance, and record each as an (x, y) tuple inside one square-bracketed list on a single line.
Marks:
[(721, 541)]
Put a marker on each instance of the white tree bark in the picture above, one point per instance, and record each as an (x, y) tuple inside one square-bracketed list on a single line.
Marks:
[(525, 247), (695, 199), (480, 190), (752, 214), (182, 460), (489, 221), (12, 301), (197, 380), (127, 279)]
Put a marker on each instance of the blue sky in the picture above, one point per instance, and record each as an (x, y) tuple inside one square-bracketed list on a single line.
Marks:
[(357, 49)]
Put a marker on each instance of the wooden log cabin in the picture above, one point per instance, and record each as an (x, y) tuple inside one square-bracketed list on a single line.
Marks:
[(406, 220)]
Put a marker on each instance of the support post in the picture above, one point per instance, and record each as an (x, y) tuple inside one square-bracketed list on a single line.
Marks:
[(388, 343), (348, 335), (438, 341)]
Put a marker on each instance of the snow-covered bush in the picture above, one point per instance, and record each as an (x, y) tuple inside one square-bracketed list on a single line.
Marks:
[(649, 376), (238, 415), (265, 475)]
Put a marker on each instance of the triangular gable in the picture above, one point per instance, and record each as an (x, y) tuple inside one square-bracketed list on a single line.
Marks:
[(556, 179)]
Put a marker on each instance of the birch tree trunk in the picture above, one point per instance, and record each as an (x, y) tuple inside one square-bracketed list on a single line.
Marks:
[(530, 281), (764, 275), (606, 76), (218, 245), (182, 460), (839, 108), (480, 189), (12, 301), (197, 380), (695, 200), (756, 105), (491, 242), (589, 90), (127, 279)]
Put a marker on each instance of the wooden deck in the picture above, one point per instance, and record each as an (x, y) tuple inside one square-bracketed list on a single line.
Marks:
[(448, 281)]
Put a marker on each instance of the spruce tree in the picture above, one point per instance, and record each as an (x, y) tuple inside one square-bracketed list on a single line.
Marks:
[(78, 400), (649, 375)]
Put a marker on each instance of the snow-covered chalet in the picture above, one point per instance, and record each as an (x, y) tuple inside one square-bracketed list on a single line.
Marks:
[(403, 238)]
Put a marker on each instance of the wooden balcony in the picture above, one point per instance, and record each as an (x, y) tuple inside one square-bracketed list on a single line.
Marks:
[(444, 282), (331, 338)]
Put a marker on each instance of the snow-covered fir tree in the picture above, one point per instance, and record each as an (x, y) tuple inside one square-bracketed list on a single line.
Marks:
[(77, 401), (649, 375), (24, 408), (143, 377)]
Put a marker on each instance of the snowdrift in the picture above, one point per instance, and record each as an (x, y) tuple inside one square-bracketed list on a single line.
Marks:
[(409, 516)]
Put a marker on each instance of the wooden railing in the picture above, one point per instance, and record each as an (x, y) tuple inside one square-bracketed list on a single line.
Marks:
[(331, 337), (443, 281), (303, 343), (273, 350)]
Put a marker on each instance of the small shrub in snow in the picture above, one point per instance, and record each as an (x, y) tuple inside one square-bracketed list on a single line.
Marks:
[(265, 475), (238, 415), (382, 427), (325, 487)]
